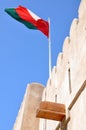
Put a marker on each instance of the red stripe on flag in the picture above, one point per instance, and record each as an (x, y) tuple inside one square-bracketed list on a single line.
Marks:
[(25, 15)]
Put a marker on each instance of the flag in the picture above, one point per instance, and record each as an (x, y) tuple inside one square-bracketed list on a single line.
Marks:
[(29, 19)]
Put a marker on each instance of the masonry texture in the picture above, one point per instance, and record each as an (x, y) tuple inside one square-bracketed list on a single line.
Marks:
[(26, 119), (67, 84)]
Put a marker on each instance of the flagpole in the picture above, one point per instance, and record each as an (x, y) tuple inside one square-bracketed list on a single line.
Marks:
[(49, 39)]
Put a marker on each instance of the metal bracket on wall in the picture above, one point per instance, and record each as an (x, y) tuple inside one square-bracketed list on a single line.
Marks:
[(62, 125), (77, 95)]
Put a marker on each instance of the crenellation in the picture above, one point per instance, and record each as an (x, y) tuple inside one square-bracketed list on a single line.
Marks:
[(59, 59), (82, 8), (66, 51), (73, 28)]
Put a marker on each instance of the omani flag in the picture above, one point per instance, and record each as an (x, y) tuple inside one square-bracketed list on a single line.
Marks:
[(29, 19)]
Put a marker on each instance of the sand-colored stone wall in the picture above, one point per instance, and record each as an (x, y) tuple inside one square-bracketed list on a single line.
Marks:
[(68, 76), (26, 119), (66, 85)]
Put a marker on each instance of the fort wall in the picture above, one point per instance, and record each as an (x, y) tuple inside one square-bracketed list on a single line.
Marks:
[(66, 82)]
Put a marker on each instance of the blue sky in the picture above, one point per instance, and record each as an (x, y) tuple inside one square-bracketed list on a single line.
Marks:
[(24, 52)]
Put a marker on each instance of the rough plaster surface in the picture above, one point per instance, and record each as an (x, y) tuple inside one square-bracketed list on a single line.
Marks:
[(73, 57), (26, 119)]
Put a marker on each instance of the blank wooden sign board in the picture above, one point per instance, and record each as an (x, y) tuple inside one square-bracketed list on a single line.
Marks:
[(51, 110)]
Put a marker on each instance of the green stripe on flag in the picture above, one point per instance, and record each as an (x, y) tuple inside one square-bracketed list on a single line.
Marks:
[(13, 14)]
